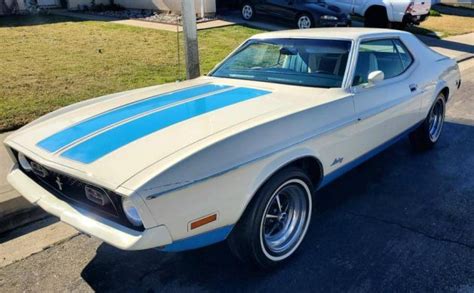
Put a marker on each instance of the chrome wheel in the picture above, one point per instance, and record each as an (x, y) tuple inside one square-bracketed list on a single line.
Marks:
[(286, 219), (304, 22), (247, 12), (436, 120)]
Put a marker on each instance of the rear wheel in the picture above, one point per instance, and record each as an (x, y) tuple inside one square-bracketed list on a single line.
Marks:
[(276, 221), (398, 25), (247, 11), (428, 133), (376, 16)]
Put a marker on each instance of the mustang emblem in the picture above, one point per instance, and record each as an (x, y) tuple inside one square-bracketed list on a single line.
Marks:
[(337, 161)]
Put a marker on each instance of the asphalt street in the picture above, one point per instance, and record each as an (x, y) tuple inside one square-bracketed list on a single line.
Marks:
[(403, 221)]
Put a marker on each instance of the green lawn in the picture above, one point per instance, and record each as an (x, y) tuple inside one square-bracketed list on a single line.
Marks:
[(48, 62), (447, 21)]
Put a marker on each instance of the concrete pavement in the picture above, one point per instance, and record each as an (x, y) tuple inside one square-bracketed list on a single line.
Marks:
[(141, 23), (14, 209), (460, 47), (401, 222)]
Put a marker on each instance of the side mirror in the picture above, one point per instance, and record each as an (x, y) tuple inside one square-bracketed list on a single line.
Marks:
[(375, 77)]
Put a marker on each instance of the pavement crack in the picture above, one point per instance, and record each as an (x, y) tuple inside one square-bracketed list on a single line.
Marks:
[(414, 230)]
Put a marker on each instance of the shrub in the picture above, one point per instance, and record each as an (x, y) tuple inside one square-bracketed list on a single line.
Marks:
[(434, 13)]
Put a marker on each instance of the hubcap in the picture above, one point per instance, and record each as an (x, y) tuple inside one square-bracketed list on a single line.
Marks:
[(247, 11), (304, 22), (436, 120), (286, 219)]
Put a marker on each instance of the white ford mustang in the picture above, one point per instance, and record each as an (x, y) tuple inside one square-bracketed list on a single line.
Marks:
[(237, 154)]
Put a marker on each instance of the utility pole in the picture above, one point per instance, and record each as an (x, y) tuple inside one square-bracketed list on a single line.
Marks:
[(191, 49)]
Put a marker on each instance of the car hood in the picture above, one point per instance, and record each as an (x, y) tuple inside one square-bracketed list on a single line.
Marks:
[(110, 139)]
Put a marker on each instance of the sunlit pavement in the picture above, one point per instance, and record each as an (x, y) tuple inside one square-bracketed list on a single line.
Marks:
[(403, 221)]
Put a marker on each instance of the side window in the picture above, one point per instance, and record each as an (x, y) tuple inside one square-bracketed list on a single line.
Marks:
[(387, 55), (407, 59)]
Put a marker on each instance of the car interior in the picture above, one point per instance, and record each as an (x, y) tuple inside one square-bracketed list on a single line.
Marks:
[(388, 56)]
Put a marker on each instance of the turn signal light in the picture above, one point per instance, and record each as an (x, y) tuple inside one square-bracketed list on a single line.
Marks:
[(203, 221)]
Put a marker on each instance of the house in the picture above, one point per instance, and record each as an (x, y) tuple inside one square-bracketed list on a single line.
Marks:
[(206, 6), (11, 6)]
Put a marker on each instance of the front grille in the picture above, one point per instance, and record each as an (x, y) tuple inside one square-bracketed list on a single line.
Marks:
[(104, 203)]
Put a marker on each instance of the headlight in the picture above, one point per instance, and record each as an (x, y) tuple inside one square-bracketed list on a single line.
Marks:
[(328, 17), (131, 212), (24, 162)]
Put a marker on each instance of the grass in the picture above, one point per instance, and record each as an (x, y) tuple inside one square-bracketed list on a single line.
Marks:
[(48, 62), (447, 21)]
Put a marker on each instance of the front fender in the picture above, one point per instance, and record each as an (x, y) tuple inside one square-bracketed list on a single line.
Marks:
[(279, 161)]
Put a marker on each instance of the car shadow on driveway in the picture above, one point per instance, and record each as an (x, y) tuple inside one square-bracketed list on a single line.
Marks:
[(403, 221)]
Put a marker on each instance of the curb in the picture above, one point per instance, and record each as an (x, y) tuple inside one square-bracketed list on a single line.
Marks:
[(16, 211), (21, 218)]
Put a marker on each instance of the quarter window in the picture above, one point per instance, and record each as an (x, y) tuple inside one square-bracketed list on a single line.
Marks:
[(388, 55)]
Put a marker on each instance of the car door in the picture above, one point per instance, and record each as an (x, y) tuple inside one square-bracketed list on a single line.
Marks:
[(280, 8), (388, 108), (260, 6), (344, 5)]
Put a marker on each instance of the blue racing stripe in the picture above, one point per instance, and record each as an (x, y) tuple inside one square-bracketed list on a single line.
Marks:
[(89, 126), (115, 138), (200, 240)]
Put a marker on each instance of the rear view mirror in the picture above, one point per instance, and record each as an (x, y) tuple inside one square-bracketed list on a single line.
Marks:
[(375, 77), (288, 51)]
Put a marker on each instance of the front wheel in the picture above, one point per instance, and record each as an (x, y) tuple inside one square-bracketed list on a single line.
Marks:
[(276, 221), (428, 133), (304, 21), (247, 11)]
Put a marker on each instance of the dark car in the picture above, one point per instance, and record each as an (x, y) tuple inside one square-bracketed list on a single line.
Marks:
[(303, 13)]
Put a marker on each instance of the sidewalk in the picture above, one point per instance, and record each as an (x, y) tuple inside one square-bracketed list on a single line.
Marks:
[(15, 210), (459, 47), (141, 23)]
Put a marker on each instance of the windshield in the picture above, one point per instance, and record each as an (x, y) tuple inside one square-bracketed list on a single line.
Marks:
[(307, 62)]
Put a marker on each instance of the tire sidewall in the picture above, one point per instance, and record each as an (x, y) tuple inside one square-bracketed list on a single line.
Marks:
[(304, 15), (264, 195), (439, 98), (242, 11), (420, 138)]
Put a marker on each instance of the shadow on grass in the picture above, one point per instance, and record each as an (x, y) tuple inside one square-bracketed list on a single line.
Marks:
[(30, 20), (358, 232), (452, 10)]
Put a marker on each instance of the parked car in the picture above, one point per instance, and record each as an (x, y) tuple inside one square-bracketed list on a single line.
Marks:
[(303, 13), (386, 13), (237, 154)]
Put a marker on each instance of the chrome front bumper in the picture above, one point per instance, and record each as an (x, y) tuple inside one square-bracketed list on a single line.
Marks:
[(106, 230)]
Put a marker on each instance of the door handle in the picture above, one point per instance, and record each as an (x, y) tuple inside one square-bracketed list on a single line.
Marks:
[(413, 87)]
